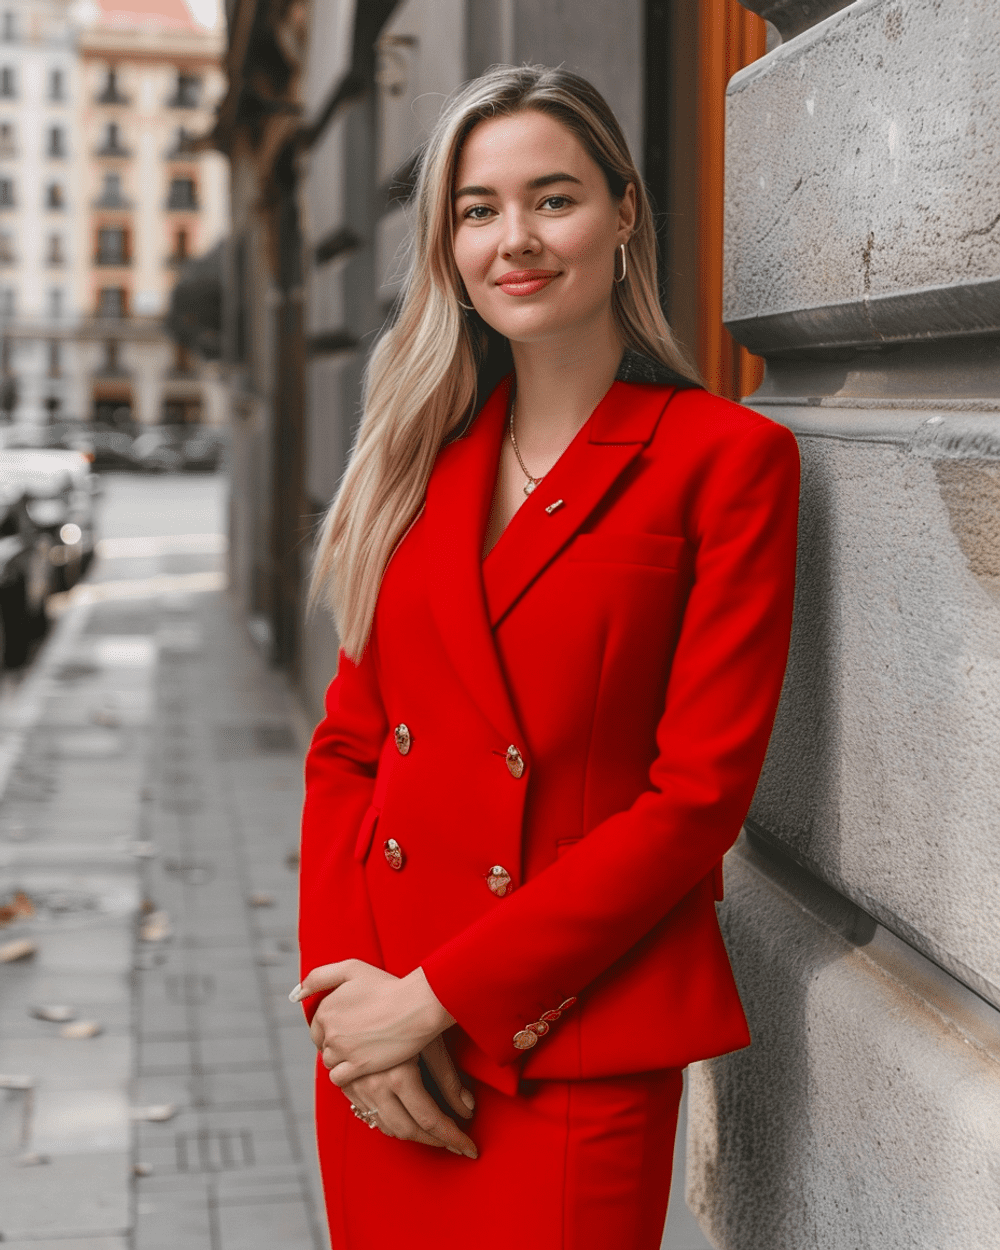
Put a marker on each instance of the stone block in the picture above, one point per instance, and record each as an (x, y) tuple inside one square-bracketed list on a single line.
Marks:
[(880, 776), (862, 180), (864, 1114)]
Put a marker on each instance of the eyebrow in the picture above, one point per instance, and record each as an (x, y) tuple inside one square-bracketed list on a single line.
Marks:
[(545, 180)]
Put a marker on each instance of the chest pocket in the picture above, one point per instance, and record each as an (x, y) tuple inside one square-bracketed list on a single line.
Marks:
[(657, 551)]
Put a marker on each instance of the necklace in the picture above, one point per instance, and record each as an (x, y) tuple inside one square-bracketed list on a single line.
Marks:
[(532, 482)]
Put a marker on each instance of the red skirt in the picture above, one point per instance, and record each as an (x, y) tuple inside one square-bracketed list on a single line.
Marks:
[(571, 1165)]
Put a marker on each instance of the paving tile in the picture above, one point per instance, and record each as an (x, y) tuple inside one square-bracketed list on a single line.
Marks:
[(72, 1196), (264, 1225)]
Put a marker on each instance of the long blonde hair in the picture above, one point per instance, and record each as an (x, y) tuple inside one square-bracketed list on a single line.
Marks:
[(426, 374)]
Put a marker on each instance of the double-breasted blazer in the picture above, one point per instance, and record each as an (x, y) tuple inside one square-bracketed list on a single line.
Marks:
[(527, 783)]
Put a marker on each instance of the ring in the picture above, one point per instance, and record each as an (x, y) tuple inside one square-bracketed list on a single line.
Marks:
[(366, 1117)]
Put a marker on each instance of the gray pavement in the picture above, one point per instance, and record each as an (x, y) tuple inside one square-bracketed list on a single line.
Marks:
[(150, 785)]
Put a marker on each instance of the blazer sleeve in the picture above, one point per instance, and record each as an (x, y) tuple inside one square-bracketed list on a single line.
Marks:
[(335, 920), (564, 927)]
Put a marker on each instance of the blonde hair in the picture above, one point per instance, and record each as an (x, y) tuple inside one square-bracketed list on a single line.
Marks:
[(426, 374)]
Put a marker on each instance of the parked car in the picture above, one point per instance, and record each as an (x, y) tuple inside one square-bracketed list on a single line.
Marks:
[(173, 448), (61, 495), (25, 570)]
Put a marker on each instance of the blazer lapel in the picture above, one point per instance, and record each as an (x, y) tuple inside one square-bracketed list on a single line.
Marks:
[(618, 429), (457, 506)]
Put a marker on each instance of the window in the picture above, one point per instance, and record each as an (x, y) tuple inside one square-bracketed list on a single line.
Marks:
[(7, 145), (110, 93), (57, 85), (6, 192), (188, 91), (182, 141), (55, 358), (55, 255), (57, 141), (111, 192), (111, 301), (182, 193), (56, 301), (8, 301), (54, 197), (9, 26), (7, 256), (8, 84), (180, 251), (112, 144), (112, 246)]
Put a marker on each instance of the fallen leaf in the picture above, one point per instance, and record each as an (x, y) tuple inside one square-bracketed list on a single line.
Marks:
[(21, 949), (21, 908), (9, 1081), (156, 1114), (58, 1013), (156, 927), (261, 899), (81, 1029), (142, 1169)]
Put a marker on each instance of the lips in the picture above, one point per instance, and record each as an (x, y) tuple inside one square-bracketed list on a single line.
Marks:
[(526, 281)]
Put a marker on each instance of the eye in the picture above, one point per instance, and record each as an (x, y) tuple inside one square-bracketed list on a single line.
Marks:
[(478, 212), (555, 202)]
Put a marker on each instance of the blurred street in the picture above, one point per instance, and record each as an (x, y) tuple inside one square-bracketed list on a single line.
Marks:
[(150, 769)]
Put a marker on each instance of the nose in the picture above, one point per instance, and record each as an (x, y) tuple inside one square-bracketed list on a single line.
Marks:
[(517, 238)]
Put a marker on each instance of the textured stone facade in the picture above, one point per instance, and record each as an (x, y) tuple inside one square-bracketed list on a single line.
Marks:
[(863, 260)]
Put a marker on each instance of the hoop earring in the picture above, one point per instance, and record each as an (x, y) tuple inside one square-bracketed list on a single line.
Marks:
[(467, 307), (621, 247)]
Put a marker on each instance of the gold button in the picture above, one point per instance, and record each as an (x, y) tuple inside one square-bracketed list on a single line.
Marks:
[(403, 738), (498, 879), (514, 761), (525, 1039), (393, 854)]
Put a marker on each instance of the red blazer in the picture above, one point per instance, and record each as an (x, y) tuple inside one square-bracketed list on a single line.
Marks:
[(584, 712)]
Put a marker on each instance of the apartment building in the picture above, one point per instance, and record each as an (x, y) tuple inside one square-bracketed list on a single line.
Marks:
[(103, 197), (39, 182)]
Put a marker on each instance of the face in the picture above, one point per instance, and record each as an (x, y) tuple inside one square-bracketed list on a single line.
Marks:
[(536, 228)]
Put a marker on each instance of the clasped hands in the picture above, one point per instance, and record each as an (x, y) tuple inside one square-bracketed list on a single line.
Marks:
[(370, 1029)]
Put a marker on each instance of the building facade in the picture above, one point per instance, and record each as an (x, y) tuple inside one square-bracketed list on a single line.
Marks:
[(103, 197)]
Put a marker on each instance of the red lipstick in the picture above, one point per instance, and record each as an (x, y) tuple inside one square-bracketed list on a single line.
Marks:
[(526, 281)]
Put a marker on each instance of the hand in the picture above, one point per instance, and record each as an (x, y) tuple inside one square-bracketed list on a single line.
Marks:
[(372, 1020), (406, 1110)]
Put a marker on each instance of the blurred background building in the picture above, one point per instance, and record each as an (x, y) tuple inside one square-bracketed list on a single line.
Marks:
[(103, 198)]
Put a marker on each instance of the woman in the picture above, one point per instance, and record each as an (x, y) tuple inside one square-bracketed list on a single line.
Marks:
[(564, 621)]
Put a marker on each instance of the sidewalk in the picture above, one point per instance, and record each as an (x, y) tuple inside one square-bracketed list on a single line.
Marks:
[(153, 785)]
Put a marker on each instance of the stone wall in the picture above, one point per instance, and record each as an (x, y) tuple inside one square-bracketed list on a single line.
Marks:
[(863, 261)]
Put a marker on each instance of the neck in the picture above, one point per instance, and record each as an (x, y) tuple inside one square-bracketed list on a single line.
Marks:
[(559, 384)]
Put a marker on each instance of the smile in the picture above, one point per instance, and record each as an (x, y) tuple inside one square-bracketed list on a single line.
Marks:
[(526, 281)]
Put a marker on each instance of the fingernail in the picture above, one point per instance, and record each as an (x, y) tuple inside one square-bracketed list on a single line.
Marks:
[(468, 1099), (472, 1154), (297, 995)]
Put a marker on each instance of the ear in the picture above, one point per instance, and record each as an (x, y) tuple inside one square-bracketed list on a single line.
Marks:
[(626, 214)]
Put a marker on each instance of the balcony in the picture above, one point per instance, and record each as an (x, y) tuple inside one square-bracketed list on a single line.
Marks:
[(111, 194), (112, 145), (111, 93), (187, 93)]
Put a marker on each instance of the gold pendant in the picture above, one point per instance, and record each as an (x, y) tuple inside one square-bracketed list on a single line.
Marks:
[(530, 485)]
